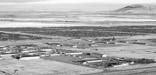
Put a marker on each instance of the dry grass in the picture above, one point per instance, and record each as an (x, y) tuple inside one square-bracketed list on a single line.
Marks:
[(42, 67)]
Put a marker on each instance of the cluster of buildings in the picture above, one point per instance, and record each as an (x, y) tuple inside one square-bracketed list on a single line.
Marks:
[(87, 44), (97, 60), (81, 46), (91, 59), (31, 51), (114, 41), (27, 51)]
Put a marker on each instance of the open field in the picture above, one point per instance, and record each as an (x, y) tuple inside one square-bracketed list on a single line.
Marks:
[(32, 67), (85, 31), (45, 67), (112, 34), (73, 18), (123, 49)]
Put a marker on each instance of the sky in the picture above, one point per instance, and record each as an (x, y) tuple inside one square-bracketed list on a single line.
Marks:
[(77, 1), (55, 5)]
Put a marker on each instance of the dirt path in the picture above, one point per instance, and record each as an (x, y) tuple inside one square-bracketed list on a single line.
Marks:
[(134, 71)]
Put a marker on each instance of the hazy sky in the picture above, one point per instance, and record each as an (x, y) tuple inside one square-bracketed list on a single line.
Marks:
[(77, 1), (14, 5), (103, 1)]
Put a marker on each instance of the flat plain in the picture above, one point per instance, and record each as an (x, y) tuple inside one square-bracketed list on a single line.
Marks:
[(134, 38)]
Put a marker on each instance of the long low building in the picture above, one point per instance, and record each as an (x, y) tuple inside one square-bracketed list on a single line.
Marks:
[(92, 61), (30, 58), (74, 53)]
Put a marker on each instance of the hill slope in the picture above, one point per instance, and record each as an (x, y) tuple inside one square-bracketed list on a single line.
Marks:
[(138, 8)]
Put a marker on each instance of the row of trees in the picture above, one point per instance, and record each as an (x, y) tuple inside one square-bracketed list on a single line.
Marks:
[(83, 33)]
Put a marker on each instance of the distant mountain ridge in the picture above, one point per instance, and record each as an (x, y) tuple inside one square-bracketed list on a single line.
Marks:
[(137, 8)]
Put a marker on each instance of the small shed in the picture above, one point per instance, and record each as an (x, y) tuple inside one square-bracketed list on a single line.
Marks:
[(98, 55)]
